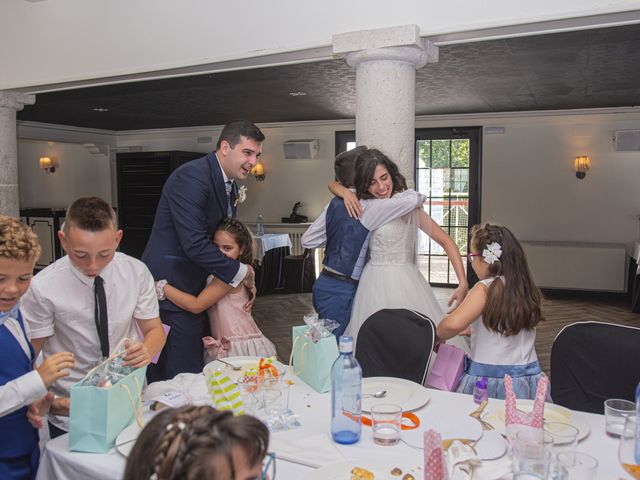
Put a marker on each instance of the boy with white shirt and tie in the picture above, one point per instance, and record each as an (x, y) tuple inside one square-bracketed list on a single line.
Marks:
[(20, 384), (89, 300)]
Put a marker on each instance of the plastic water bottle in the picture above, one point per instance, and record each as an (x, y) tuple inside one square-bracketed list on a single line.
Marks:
[(346, 392), (259, 225)]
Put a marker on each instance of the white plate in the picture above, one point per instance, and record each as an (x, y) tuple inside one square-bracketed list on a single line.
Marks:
[(491, 446), (246, 363), (552, 413), (409, 395), (127, 439), (342, 471)]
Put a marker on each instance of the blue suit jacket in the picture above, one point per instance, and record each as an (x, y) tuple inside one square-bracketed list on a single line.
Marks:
[(180, 248)]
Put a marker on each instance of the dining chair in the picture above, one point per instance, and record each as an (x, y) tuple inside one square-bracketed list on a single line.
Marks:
[(594, 361), (396, 343), (299, 272)]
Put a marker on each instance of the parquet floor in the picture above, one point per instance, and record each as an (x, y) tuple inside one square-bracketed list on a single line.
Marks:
[(276, 314)]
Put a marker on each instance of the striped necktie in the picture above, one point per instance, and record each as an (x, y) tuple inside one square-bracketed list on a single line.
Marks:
[(228, 186)]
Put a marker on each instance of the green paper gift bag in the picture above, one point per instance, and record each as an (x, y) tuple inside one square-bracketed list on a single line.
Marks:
[(311, 361), (98, 415)]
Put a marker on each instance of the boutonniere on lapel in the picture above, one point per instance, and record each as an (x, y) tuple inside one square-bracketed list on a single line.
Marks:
[(242, 195)]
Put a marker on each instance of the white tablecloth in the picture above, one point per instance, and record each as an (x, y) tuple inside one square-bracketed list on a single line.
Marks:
[(266, 242), (58, 463)]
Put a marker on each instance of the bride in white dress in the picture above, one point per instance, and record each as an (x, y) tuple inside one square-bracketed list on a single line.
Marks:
[(391, 278)]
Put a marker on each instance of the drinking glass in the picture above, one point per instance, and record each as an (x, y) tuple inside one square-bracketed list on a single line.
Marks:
[(564, 435), (577, 466), (628, 451), (531, 451), (273, 402), (251, 398), (386, 420), (615, 412)]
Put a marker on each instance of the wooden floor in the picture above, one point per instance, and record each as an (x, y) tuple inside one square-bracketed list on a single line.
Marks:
[(276, 314)]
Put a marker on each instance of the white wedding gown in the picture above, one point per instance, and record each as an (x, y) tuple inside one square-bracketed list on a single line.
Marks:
[(391, 278)]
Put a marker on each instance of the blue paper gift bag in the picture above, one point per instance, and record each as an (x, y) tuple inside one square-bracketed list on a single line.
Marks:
[(98, 415), (311, 361)]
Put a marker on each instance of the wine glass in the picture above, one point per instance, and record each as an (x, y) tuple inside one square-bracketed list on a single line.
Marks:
[(629, 452)]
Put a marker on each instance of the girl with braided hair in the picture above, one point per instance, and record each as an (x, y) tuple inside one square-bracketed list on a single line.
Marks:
[(199, 443), (500, 313), (233, 330)]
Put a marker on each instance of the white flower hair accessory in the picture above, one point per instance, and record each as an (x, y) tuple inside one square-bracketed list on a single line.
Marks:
[(242, 195), (492, 253)]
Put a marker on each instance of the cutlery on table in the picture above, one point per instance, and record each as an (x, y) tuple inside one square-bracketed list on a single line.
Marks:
[(477, 414), (379, 394), (235, 368)]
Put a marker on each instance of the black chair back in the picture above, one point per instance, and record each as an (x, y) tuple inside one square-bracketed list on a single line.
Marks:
[(396, 343), (594, 361)]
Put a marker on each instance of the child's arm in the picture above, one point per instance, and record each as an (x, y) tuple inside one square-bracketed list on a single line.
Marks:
[(351, 203), (431, 228), (31, 386), (463, 316), (207, 297)]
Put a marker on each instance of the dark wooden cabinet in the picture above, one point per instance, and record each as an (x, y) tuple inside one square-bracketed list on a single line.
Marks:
[(141, 176)]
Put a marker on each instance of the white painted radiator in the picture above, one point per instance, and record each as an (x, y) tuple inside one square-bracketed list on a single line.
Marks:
[(577, 265)]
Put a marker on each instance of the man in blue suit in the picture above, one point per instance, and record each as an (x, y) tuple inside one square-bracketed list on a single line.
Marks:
[(195, 198)]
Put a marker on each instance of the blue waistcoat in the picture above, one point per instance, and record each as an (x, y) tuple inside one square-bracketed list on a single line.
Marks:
[(14, 363), (345, 238)]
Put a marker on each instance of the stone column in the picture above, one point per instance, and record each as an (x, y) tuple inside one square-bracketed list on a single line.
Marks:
[(10, 103), (386, 61)]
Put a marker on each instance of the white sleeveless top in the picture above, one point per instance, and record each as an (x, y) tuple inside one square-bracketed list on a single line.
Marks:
[(493, 348)]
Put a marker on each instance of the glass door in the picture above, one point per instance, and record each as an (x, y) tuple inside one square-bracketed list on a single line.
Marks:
[(448, 173)]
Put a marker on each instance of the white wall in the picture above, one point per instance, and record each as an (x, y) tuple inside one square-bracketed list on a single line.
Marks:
[(57, 41), (528, 181), (287, 181), (79, 174)]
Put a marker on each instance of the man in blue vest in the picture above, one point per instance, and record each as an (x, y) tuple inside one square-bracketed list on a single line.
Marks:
[(346, 241)]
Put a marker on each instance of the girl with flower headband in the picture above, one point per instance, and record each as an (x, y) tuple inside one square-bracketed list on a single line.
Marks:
[(500, 313)]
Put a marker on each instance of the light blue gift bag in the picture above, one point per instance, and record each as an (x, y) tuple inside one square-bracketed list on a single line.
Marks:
[(98, 415), (311, 361)]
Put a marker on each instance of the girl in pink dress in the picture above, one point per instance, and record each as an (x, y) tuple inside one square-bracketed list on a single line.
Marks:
[(233, 330)]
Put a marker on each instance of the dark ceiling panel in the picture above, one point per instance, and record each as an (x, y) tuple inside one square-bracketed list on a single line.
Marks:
[(583, 69)]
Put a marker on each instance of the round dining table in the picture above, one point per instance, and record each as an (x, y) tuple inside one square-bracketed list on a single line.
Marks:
[(313, 412)]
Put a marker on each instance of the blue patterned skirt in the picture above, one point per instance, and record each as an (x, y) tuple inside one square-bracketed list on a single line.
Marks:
[(524, 379)]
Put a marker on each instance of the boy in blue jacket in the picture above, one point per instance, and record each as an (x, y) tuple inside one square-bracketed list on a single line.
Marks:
[(20, 384)]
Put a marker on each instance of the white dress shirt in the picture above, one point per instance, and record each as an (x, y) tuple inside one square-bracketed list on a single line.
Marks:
[(59, 306), (242, 271), (376, 212)]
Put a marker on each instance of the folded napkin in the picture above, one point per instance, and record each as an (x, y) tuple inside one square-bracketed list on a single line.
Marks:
[(434, 463), (461, 460), (314, 451), (516, 420)]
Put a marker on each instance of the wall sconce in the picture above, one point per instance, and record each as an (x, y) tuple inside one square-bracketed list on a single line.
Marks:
[(581, 164), (258, 172), (48, 164)]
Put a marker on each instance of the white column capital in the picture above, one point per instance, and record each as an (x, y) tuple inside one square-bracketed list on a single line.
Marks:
[(16, 100), (418, 56), (400, 44)]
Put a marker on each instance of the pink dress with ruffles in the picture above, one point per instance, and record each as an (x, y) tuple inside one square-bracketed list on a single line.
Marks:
[(234, 331)]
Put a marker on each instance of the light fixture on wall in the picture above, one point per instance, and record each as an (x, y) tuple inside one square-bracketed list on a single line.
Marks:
[(581, 164), (258, 172), (48, 164)]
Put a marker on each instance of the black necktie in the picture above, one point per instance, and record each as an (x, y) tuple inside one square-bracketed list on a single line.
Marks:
[(102, 319)]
